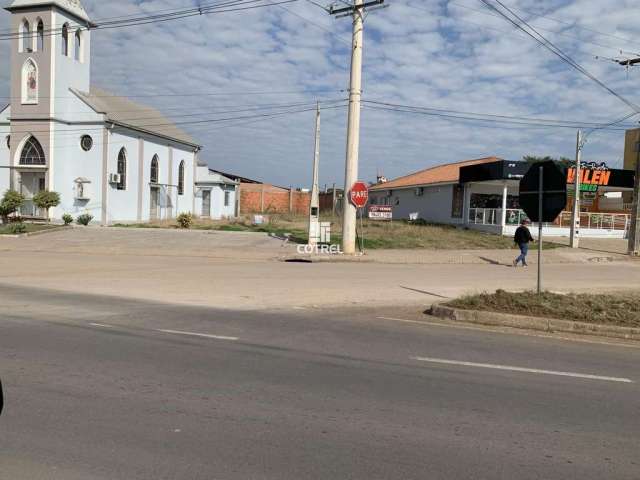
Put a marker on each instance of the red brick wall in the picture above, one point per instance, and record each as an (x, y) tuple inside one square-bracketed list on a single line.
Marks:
[(258, 198)]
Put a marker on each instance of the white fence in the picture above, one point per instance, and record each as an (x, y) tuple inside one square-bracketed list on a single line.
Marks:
[(589, 221)]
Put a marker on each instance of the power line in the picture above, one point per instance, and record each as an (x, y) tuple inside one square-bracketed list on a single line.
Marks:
[(492, 118), (191, 109), (148, 126), (541, 40), (564, 34), (574, 25), (321, 27), (199, 94), (229, 6), (483, 12)]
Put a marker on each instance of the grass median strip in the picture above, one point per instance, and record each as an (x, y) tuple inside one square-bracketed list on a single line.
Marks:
[(617, 309)]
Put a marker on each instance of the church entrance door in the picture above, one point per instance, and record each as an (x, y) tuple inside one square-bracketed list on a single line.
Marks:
[(30, 184)]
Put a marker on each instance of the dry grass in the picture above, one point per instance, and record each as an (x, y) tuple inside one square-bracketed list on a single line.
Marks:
[(377, 234), (610, 309)]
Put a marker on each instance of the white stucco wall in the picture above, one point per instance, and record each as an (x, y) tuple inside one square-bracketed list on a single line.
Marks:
[(183, 203), (122, 205), (69, 161), (434, 205), (4, 151), (68, 72)]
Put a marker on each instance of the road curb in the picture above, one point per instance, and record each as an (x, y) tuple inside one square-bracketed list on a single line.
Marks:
[(39, 232), (532, 323)]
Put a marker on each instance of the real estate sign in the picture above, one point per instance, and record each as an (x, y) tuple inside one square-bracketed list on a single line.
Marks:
[(380, 212)]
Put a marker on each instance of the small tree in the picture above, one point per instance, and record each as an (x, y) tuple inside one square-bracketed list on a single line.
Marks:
[(46, 199), (10, 203)]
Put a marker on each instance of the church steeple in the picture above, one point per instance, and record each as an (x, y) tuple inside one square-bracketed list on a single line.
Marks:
[(50, 55)]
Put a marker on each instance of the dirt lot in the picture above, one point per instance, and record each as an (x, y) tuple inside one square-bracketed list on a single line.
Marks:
[(240, 270)]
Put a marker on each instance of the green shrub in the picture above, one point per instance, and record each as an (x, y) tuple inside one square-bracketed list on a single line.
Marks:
[(45, 199), (10, 203), (67, 219), (17, 228), (185, 220), (84, 219)]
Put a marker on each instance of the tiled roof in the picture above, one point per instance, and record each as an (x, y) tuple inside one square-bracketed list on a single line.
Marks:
[(124, 112), (449, 173)]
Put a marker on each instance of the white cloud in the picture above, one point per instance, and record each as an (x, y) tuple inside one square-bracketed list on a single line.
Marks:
[(442, 54)]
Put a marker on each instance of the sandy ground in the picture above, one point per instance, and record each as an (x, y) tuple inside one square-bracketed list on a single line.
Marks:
[(245, 270)]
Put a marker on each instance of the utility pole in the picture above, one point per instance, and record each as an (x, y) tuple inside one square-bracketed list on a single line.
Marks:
[(575, 216), (314, 204), (634, 228), (349, 211)]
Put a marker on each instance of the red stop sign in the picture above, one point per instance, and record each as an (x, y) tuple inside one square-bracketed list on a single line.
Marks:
[(359, 194)]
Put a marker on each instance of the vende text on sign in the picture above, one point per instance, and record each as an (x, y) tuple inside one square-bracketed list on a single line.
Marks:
[(381, 212)]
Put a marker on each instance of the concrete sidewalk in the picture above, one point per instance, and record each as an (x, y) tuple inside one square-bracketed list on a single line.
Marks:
[(250, 246), (466, 257), (238, 271)]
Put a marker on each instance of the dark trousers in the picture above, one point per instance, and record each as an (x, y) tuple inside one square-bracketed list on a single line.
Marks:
[(524, 249)]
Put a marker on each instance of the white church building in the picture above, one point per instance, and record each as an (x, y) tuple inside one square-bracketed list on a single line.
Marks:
[(104, 154)]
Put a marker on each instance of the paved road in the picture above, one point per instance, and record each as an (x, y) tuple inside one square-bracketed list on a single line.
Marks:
[(94, 390)]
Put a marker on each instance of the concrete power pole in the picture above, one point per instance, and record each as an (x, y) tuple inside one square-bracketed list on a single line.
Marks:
[(349, 210), (314, 204), (575, 216)]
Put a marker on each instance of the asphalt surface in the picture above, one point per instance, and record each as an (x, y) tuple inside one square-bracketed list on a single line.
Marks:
[(100, 388)]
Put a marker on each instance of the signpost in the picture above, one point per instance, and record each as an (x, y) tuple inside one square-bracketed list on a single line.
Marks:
[(543, 195), (380, 212), (359, 196)]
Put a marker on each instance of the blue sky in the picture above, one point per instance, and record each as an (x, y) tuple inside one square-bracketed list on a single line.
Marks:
[(432, 53)]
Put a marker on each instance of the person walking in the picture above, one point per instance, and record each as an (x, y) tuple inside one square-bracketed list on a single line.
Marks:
[(522, 238)]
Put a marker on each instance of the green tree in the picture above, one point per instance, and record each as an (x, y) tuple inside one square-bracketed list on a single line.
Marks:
[(46, 199), (534, 159), (10, 203)]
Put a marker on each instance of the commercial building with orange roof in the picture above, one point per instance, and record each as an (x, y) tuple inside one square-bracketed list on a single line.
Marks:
[(483, 194)]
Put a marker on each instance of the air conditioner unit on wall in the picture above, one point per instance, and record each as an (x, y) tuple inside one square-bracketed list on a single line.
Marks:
[(114, 178)]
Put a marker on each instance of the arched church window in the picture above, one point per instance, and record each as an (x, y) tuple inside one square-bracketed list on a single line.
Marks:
[(40, 37), (32, 153), (65, 40), (30, 82), (78, 46), (154, 169), (122, 169), (181, 178), (25, 36)]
